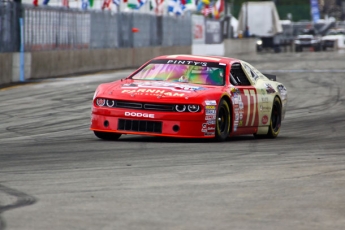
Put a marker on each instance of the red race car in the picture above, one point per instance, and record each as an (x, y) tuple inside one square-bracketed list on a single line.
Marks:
[(190, 96)]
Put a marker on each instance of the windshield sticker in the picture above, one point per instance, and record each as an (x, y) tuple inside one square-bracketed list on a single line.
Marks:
[(163, 85)]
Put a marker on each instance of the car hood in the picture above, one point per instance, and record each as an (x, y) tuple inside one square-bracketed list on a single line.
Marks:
[(140, 90)]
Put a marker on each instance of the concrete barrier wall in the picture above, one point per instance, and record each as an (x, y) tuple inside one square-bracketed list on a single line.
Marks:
[(47, 64), (58, 63), (5, 68), (233, 47), (229, 48)]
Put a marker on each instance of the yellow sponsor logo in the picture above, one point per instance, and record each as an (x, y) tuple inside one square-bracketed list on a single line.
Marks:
[(210, 107), (152, 92)]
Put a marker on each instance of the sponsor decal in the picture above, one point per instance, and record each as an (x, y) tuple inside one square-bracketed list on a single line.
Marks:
[(134, 114), (180, 62), (240, 123), (211, 128), (211, 122), (235, 100), (241, 105), (241, 116), (211, 102), (264, 119), (209, 133), (264, 99), (265, 108), (204, 130), (204, 126), (210, 117), (210, 111), (210, 107), (282, 91), (269, 88), (153, 92), (237, 116), (153, 86)]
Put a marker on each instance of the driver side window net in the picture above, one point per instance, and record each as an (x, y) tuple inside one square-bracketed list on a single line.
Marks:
[(239, 75)]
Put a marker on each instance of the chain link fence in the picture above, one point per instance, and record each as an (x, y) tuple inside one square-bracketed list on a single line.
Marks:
[(56, 28)]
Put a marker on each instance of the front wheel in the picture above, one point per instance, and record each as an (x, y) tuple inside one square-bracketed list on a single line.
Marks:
[(223, 121), (107, 136)]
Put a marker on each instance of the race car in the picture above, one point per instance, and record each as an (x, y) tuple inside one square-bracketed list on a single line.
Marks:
[(335, 39), (190, 96)]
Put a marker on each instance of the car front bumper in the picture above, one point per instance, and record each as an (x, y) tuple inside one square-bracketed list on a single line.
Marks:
[(154, 123)]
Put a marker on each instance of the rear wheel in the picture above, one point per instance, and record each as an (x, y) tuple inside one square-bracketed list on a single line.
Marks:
[(223, 121), (275, 122), (107, 136), (276, 119)]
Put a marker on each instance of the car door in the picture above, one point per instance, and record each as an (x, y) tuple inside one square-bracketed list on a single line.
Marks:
[(244, 98)]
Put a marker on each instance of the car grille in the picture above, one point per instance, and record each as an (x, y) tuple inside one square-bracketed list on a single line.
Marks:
[(145, 106), (140, 126)]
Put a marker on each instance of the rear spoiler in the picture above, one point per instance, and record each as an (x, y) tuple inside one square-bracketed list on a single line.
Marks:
[(270, 76)]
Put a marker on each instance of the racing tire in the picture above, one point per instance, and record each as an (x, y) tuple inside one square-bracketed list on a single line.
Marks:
[(275, 122), (276, 119), (107, 136), (223, 120)]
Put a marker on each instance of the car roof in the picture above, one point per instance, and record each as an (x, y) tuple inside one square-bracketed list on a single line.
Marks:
[(199, 58)]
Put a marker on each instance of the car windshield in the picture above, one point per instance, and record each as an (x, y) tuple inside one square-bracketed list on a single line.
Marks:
[(206, 75), (307, 32)]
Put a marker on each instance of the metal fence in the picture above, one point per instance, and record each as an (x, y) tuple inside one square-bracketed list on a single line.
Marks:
[(9, 26), (56, 28)]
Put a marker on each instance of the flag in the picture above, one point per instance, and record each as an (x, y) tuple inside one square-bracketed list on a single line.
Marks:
[(116, 2), (132, 4), (91, 3), (218, 8), (35, 2), (45, 2), (106, 4), (157, 6), (141, 3), (314, 7), (84, 4), (206, 2), (176, 7), (65, 3), (200, 6)]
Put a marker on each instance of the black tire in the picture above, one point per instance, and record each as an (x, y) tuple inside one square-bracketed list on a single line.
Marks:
[(276, 119), (223, 121), (107, 136), (275, 122)]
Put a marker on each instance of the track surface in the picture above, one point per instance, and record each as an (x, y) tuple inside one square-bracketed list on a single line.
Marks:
[(55, 174)]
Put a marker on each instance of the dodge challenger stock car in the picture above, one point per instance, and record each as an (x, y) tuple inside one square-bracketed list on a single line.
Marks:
[(189, 96)]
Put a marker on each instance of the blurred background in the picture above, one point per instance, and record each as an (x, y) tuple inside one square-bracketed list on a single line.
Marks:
[(206, 27)]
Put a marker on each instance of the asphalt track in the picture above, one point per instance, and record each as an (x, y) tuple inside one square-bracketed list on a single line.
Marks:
[(55, 174)]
